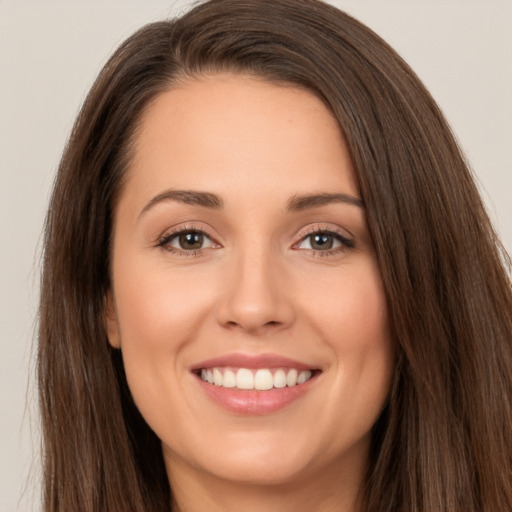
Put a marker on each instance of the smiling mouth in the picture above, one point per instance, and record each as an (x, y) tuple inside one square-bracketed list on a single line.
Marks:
[(261, 379)]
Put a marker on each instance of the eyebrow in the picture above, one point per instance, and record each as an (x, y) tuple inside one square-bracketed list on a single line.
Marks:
[(307, 201), (194, 197), (209, 200)]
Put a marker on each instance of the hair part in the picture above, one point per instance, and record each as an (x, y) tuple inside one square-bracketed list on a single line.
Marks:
[(444, 441)]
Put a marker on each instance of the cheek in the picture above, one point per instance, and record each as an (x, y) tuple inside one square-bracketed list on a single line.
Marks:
[(352, 320), (351, 311), (158, 312), (156, 306)]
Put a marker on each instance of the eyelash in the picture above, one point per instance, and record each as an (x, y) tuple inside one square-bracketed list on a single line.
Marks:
[(165, 240), (345, 243)]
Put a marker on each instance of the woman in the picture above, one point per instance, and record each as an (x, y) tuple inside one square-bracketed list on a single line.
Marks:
[(270, 282)]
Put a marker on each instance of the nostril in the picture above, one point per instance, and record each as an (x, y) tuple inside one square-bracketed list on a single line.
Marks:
[(252, 311)]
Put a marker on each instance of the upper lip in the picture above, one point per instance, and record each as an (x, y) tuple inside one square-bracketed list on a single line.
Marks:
[(252, 361)]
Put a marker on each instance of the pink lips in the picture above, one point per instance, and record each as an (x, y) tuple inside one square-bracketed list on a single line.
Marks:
[(249, 361), (252, 402)]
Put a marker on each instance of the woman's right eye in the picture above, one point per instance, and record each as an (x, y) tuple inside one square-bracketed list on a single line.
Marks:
[(189, 241)]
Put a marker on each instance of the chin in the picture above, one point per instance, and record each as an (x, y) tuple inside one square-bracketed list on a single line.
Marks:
[(267, 469), (255, 458)]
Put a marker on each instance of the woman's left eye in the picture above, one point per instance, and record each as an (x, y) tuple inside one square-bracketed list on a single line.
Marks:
[(186, 241), (324, 241)]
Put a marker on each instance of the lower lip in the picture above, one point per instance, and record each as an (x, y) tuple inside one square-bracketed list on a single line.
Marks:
[(251, 402)]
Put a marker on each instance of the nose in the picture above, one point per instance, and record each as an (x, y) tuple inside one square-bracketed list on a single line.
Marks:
[(255, 297)]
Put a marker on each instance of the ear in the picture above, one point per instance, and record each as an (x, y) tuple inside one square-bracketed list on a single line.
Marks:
[(111, 323)]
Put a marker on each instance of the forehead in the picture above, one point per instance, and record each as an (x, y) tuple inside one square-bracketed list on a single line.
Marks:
[(235, 133)]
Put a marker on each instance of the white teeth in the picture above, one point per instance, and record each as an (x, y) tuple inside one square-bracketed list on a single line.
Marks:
[(262, 379), (217, 377), (229, 379), (303, 377), (279, 379), (244, 379), (291, 378)]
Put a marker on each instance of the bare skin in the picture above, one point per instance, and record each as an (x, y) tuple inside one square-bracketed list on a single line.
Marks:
[(240, 233)]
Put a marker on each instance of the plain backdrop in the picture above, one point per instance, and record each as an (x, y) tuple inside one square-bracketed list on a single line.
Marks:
[(51, 51)]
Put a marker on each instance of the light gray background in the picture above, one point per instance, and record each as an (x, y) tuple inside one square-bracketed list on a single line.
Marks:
[(50, 52)]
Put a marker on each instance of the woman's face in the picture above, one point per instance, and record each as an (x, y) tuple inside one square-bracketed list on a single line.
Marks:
[(246, 298)]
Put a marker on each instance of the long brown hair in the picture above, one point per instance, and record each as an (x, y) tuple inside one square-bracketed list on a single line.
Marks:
[(444, 441)]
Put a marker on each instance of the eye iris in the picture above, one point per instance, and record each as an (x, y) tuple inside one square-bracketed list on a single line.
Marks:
[(321, 241), (191, 240)]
